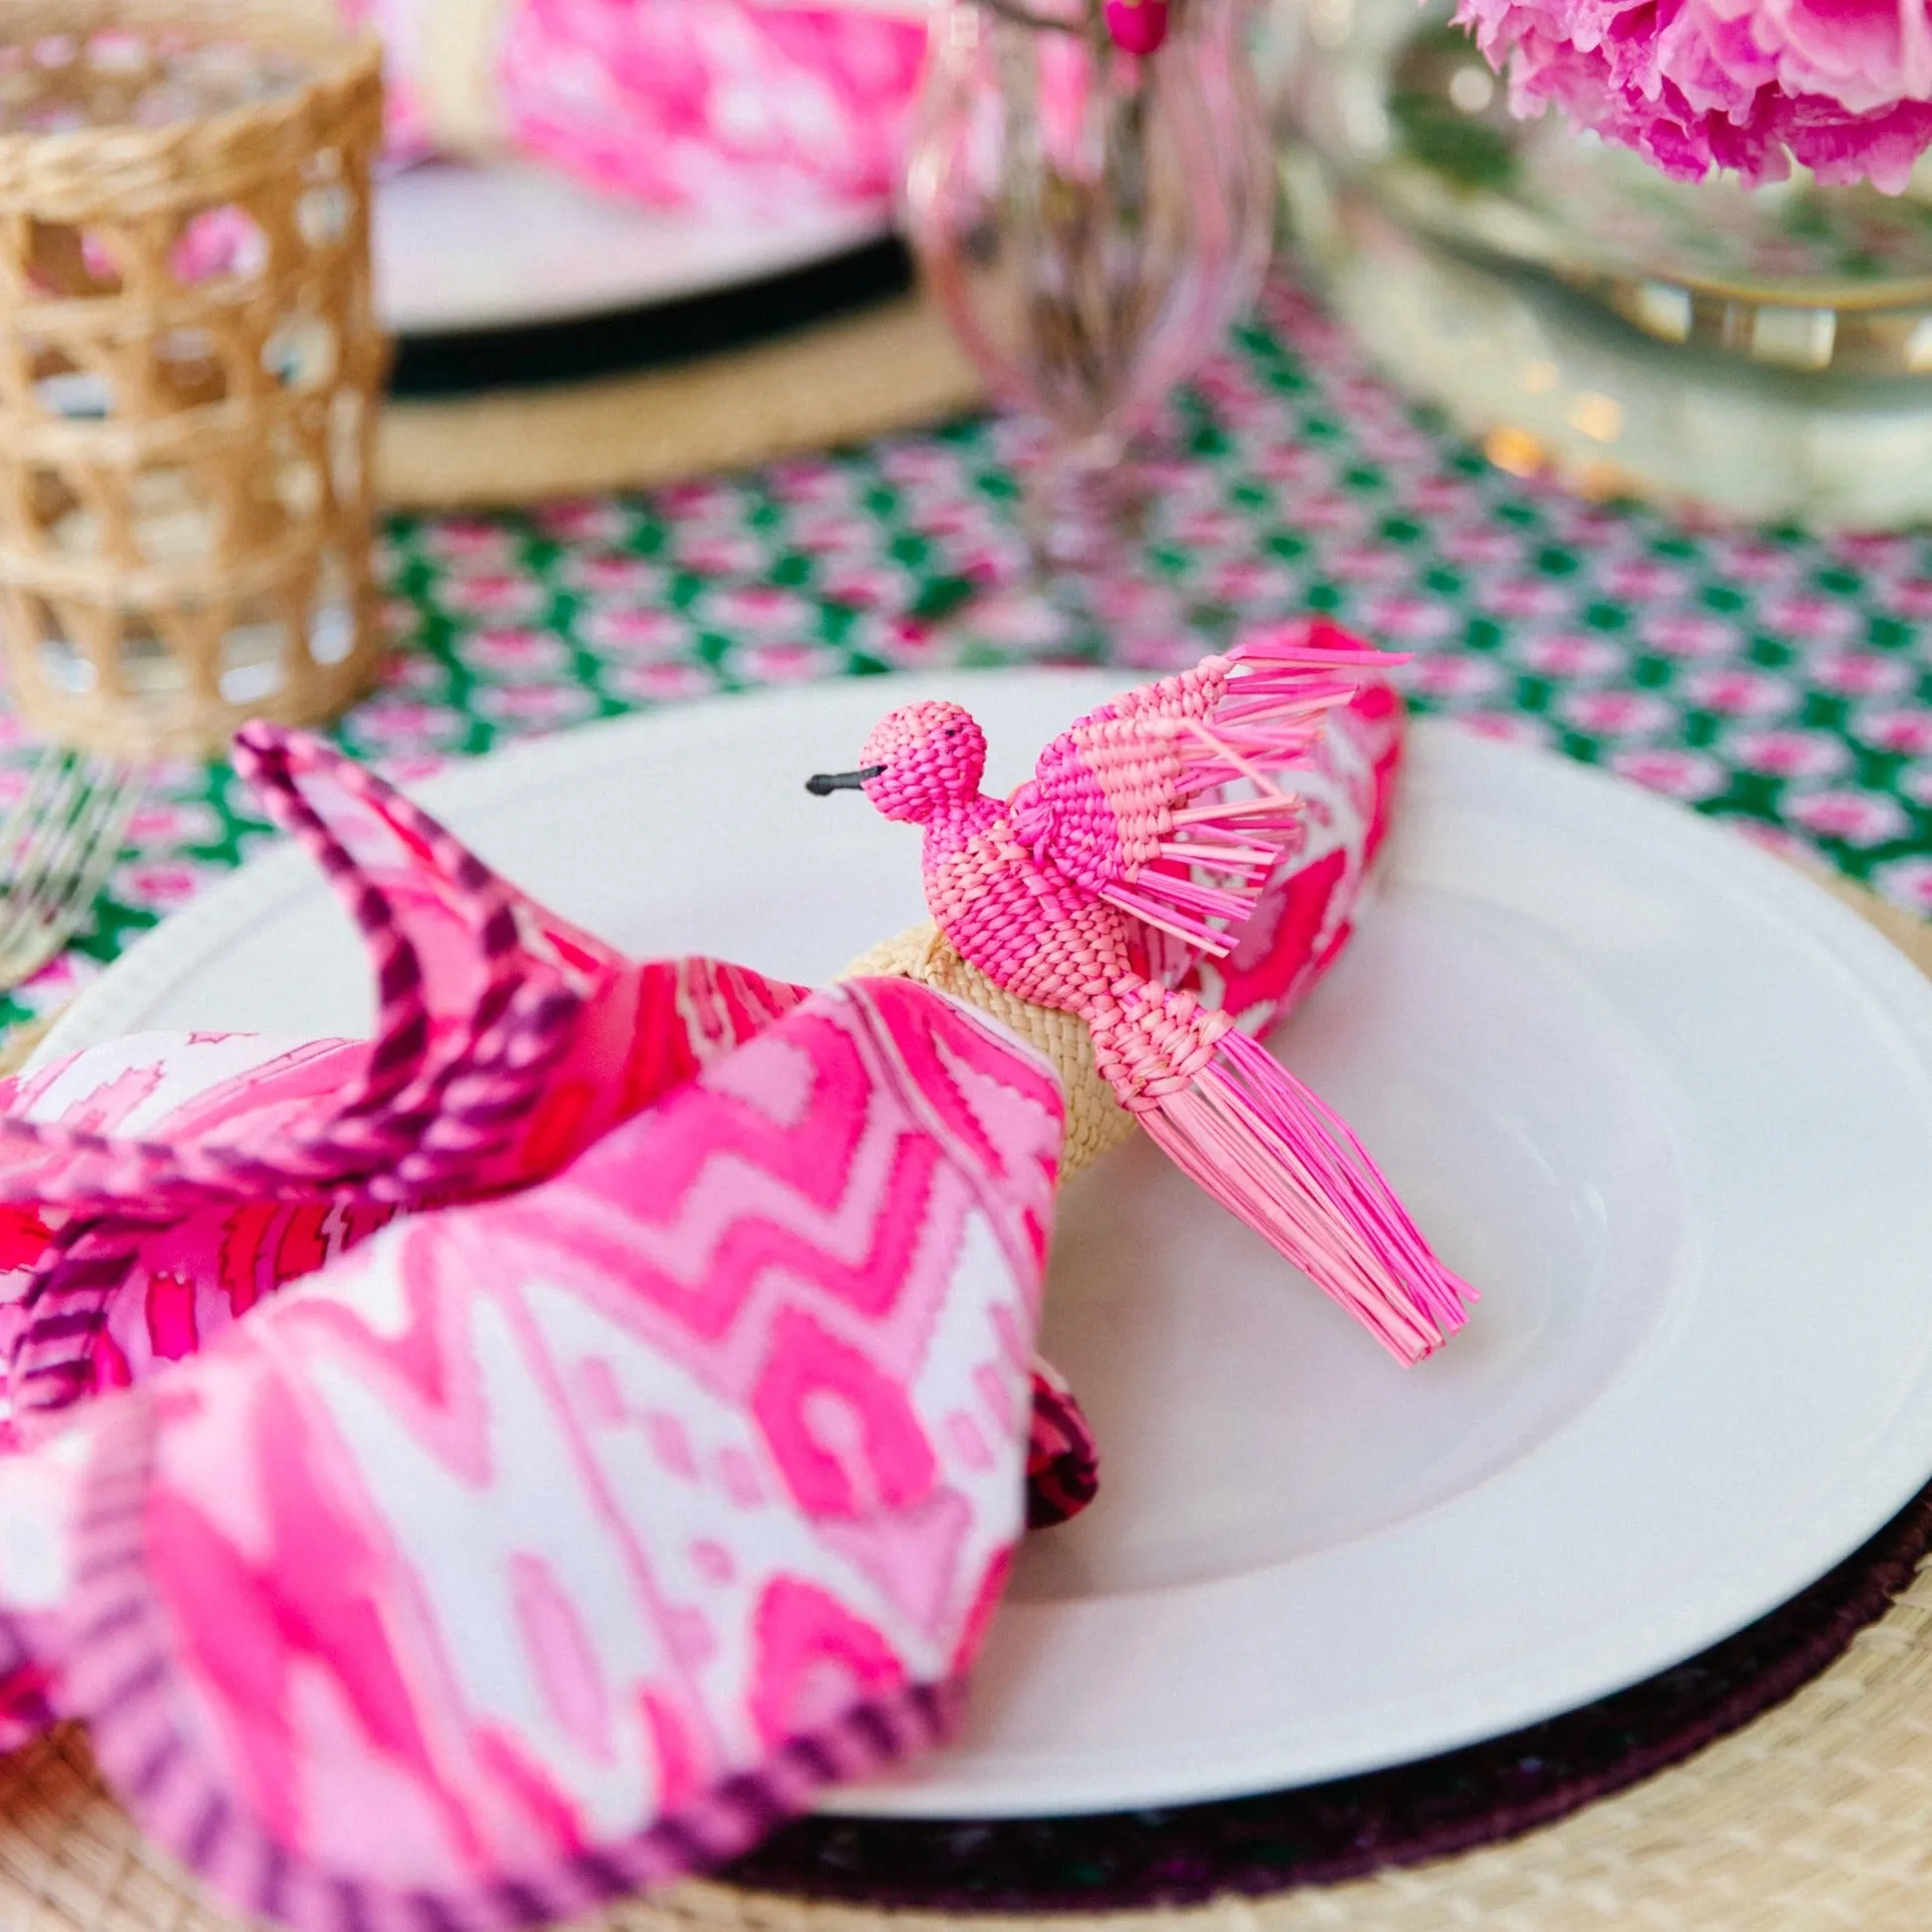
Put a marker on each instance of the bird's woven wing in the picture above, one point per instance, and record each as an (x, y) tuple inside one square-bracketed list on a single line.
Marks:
[(1169, 802)]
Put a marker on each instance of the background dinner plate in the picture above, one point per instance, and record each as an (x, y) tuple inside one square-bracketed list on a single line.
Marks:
[(1667, 1105), (461, 248)]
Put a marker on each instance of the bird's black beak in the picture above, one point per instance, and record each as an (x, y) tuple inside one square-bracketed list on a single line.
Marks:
[(822, 784)]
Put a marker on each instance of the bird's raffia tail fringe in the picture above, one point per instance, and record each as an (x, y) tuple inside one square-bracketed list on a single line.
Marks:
[(1277, 690), (1241, 1126)]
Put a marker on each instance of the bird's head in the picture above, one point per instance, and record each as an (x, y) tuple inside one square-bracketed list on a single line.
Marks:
[(920, 759)]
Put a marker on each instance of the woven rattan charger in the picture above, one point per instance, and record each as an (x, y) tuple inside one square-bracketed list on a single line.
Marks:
[(889, 367), (1816, 1814)]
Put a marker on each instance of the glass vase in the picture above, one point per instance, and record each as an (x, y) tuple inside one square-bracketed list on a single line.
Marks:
[(1766, 353), (1090, 222)]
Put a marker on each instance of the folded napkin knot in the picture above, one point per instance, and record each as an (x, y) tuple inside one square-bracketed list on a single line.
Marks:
[(467, 1472)]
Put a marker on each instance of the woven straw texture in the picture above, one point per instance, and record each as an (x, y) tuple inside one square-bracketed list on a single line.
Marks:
[(1095, 1121), (1816, 1814), (189, 368), (889, 368)]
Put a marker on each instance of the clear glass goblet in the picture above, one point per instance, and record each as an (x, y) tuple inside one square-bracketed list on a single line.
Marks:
[(1089, 220)]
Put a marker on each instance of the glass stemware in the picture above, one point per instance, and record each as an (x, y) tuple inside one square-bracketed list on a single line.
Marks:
[(1089, 220)]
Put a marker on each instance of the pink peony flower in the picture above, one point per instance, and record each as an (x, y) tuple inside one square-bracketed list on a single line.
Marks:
[(1843, 86)]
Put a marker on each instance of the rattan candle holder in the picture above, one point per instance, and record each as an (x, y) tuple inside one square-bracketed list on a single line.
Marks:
[(189, 366)]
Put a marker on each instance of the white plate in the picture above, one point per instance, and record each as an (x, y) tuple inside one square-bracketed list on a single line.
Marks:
[(461, 248), (1668, 1105)]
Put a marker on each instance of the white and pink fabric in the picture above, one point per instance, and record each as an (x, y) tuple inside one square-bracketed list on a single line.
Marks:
[(465, 1473), (154, 1188), (545, 1549), (717, 103)]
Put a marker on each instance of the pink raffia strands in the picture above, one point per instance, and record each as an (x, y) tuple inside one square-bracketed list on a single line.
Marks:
[(731, 104), (549, 1548), (155, 1190), (1237, 1127), (1084, 892), (1845, 90)]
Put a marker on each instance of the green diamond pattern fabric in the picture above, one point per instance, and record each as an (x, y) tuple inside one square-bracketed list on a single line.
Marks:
[(1777, 678)]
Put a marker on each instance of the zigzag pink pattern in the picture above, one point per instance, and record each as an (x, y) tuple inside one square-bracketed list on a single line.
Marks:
[(486, 1573), (164, 1186), (507, 1041)]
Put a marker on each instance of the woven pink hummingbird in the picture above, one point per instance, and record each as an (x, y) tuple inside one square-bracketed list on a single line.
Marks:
[(1157, 811)]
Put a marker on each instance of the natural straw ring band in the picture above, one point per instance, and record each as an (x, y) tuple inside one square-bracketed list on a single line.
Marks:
[(1816, 1814), (1095, 1121)]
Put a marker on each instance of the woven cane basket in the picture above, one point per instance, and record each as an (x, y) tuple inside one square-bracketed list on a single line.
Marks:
[(189, 368)]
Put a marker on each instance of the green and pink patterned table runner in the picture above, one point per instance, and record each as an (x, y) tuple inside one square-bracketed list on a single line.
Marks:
[(1771, 676)]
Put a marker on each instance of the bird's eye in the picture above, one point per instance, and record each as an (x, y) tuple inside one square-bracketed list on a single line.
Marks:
[(952, 730)]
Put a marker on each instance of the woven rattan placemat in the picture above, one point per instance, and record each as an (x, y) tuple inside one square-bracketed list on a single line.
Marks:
[(891, 367), (1816, 1812)]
